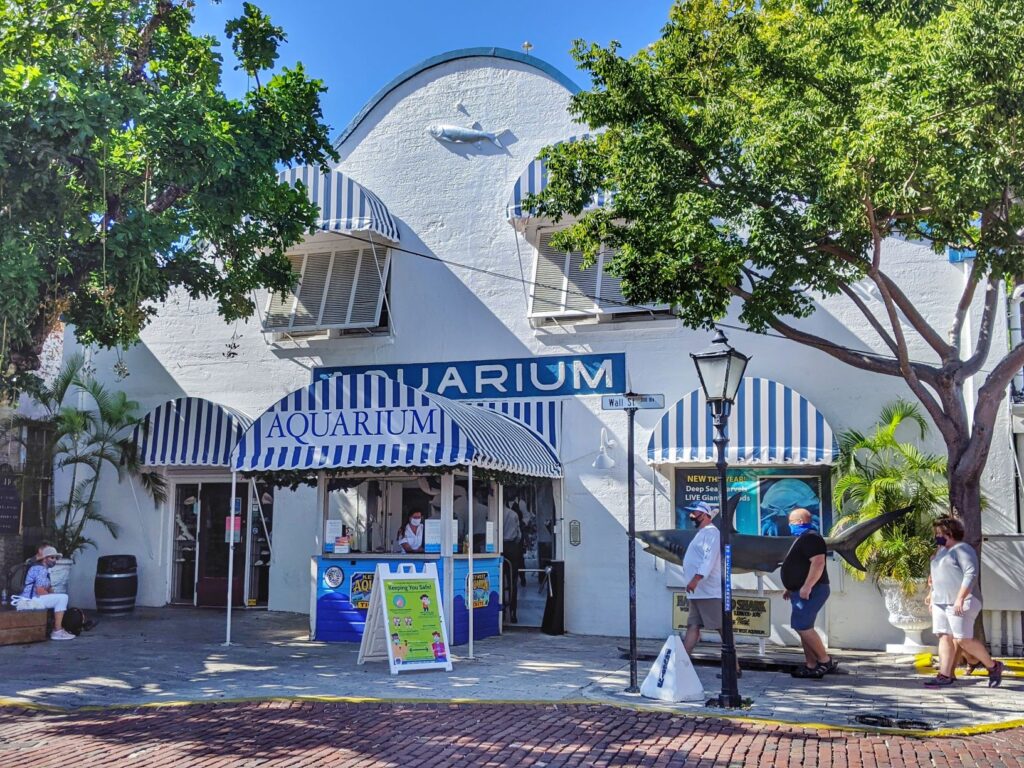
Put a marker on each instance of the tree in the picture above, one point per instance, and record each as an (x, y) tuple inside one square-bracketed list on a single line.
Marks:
[(126, 172), (877, 473), (761, 152)]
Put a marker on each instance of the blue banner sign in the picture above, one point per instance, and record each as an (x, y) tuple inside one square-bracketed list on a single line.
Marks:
[(728, 578), (547, 376)]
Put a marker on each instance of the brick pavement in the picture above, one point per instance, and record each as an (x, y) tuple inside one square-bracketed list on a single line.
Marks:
[(307, 734)]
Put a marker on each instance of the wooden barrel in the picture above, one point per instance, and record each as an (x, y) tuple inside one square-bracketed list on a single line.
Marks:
[(117, 584)]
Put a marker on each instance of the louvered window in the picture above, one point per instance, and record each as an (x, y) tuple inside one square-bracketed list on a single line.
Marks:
[(337, 289), (562, 289)]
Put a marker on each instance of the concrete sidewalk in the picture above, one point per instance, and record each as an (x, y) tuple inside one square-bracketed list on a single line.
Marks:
[(174, 655)]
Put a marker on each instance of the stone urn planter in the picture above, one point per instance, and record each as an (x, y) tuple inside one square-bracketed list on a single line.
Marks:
[(60, 575), (908, 612)]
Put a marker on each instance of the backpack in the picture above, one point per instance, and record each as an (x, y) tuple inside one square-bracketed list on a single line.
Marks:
[(74, 621)]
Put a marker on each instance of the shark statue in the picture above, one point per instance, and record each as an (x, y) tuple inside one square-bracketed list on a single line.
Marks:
[(764, 553)]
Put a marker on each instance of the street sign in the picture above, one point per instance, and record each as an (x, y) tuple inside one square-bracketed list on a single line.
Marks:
[(640, 402)]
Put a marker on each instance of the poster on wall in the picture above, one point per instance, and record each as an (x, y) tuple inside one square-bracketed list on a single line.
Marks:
[(767, 496), (10, 503), (481, 590), (405, 622)]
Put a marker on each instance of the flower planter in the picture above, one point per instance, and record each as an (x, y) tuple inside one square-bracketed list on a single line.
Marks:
[(908, 612)]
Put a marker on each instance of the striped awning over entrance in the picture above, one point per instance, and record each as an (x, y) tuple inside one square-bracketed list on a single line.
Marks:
[(189, 432), (541, 416), (345, 205), (534, 180), (367, 420), (770, 424)]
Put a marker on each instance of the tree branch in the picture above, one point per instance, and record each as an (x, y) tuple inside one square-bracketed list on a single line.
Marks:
[(966, 299), (140, 55), (870, 316), (167, 198), (973, 364), (906, 306)]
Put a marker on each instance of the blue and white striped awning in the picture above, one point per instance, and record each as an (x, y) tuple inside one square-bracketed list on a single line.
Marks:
[(534, 180), (189, 432), (368, 420), (543, 416), (345, 205), (770, 424)]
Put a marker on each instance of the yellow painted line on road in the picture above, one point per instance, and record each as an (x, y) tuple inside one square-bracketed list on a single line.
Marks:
[(972, 730), (924, 665)]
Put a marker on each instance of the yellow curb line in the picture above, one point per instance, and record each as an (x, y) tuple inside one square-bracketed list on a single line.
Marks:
[(971, 730)]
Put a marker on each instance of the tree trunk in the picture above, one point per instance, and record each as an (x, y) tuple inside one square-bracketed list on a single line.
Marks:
[(965, 499)]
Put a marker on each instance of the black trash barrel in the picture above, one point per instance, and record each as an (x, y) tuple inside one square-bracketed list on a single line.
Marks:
[(117, 583)]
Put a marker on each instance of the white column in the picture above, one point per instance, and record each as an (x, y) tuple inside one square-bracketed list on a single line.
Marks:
[(447, 545), (231, 556), (469, 576)]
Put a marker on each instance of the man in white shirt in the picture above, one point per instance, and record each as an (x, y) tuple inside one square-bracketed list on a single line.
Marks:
[(702, 575)]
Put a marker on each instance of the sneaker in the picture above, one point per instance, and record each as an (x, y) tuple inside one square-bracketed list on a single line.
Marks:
[(814, 673), (939, 681), (60, 634), (828, 667), (995, 674)]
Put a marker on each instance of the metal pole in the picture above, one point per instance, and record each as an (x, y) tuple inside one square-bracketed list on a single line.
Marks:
[(231, 557), (730, 695), (469, 579), (631, 511)]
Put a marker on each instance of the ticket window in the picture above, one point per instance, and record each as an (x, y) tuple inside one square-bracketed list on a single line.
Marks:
[(485, 515), (353, 519)]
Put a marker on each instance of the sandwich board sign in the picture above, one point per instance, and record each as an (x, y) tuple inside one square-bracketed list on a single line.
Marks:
[(405, 621)]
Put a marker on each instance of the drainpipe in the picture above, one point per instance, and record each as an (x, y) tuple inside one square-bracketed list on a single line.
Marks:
[(1015, 334)]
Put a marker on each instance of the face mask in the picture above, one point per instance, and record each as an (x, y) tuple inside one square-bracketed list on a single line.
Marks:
[(695, 521), (800, 528), (940, 540), (416, 521)]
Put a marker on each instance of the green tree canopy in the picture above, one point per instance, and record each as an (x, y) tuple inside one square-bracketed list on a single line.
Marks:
[(760, 152), (126, 172)]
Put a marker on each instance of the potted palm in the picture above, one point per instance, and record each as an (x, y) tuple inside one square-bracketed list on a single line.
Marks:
[(85, 440), (878, 473)]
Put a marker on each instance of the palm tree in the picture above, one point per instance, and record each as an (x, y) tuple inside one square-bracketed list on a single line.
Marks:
[(84, 441), (877, 473)]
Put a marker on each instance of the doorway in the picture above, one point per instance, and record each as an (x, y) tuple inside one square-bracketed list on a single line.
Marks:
[(202, 545), (534, 507)]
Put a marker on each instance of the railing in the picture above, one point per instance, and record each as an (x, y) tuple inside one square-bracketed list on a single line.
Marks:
[(1004, 631)]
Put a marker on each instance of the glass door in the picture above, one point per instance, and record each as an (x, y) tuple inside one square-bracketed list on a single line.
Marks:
[(260, 533), (214, 521), (183, 560)]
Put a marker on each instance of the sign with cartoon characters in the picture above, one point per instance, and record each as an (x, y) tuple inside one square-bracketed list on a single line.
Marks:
[(405, 621)]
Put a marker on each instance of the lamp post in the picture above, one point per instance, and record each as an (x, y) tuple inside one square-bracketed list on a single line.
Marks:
[(721, 368)]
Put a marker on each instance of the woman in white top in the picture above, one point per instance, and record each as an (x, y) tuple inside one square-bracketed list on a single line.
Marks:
[(410, 535)]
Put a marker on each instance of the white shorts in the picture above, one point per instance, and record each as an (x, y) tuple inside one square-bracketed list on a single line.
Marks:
[(945, 622), (41, 602)]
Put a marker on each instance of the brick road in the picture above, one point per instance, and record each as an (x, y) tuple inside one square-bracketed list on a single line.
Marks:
[(333, 734)]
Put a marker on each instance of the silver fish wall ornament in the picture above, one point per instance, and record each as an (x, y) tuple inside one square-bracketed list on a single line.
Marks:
[(764, 553), (456, 134)]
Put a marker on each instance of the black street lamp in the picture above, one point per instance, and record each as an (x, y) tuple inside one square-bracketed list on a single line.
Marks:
[(720, 368)]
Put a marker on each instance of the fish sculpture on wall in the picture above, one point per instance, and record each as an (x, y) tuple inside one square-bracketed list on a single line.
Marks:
[(764, 553), (456, 134)]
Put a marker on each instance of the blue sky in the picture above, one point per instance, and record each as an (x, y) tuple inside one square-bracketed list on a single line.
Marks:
[(358, 47)]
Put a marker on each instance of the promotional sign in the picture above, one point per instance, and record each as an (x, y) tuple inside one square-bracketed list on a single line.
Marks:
[(10, 505), (232, 530), (751, 615), (360, 588), (481, 590), (432, 536), (545, 376), (766, 496), (405, 622)]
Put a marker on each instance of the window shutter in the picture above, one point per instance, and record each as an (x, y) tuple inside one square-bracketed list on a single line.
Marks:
[(612, 299), (336, 289), (581, 288), (549, 281)]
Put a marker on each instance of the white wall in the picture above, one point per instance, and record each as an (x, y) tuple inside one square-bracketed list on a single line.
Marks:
[(450, 200)]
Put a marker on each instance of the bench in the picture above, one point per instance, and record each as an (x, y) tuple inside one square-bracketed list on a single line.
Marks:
[(18, 627)]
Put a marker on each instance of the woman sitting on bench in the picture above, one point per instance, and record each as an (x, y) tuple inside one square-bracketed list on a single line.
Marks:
[(38, 594)]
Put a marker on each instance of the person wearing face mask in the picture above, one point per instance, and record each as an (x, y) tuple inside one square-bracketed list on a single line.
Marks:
[(410, 535), (806, 582), (956, 603), (702, 575)]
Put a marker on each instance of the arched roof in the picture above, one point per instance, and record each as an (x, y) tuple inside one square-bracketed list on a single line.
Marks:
[(462, 53)]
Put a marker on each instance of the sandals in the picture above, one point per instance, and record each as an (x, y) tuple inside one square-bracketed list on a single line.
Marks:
[(828, 667), (815, 673), (939, 681), (995, 674)]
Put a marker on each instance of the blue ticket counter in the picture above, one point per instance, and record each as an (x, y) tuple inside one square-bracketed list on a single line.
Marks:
[(342, 585)]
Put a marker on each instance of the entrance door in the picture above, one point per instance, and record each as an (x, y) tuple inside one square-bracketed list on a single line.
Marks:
[(215, 511), (535, 507)]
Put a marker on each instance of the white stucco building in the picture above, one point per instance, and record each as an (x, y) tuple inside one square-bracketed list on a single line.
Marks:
[(459, 286)]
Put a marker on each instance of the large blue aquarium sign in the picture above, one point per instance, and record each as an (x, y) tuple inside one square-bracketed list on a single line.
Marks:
[(548, 376)]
